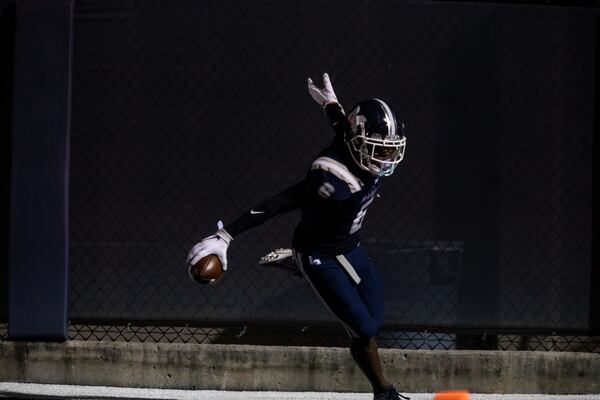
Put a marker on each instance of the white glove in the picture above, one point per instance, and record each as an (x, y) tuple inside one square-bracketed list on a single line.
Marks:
[(322, 96), (216, 244)]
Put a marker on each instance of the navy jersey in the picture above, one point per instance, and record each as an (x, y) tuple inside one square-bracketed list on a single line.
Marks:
[(333, 199), (338, 195)]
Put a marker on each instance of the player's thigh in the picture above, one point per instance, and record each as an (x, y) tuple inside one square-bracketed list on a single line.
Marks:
[(338, 292), (370, 288)]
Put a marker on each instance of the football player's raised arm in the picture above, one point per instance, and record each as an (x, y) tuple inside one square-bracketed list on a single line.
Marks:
[(286, 201), (337, 119), (327, 98)]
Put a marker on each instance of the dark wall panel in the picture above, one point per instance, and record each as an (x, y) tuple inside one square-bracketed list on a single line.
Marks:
[(7, 43), (38, 250)]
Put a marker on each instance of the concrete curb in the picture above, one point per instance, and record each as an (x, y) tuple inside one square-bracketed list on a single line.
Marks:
[(237, 367)]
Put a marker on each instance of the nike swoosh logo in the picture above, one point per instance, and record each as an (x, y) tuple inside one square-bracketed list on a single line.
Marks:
[(256, 212)]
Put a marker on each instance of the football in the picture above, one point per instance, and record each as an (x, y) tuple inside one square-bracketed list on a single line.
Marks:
[(207, 270)]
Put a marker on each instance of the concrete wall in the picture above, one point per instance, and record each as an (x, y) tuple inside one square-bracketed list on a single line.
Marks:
[(234, 367)]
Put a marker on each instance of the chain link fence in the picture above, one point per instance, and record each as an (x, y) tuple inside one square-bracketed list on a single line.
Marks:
[(323, 336), (185, 113)]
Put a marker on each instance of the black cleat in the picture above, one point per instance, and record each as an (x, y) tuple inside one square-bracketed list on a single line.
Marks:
[(390, 394)]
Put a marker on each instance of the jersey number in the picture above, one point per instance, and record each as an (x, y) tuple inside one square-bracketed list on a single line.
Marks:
[(326, 190), (357, 223)]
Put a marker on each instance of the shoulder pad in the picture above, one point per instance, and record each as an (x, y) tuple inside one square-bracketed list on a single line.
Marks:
[(338, 170)]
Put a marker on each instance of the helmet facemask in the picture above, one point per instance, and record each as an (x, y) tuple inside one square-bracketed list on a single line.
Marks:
[(378, 156)]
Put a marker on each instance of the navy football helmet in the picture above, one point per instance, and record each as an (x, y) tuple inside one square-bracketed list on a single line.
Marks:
[(376, 140)]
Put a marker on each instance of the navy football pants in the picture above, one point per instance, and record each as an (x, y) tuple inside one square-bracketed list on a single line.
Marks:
[(350, 287)]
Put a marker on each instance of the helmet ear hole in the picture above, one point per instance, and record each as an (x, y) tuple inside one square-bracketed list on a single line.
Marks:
[(357, 143)]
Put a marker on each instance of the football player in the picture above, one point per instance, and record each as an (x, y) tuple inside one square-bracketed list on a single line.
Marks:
[(333, 199)]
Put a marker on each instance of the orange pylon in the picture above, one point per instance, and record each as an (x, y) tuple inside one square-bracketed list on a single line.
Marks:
[(452, 395)]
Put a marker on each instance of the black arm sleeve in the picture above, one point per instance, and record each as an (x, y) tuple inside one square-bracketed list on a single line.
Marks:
[(337, 119), (286, 201), (293, 197)]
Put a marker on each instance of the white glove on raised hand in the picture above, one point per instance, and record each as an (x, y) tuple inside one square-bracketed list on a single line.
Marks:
[(216, 244), (323, 96)]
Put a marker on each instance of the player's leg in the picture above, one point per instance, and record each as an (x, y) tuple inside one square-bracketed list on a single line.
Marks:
[(370, 290), (340, 294), (366, 355)]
